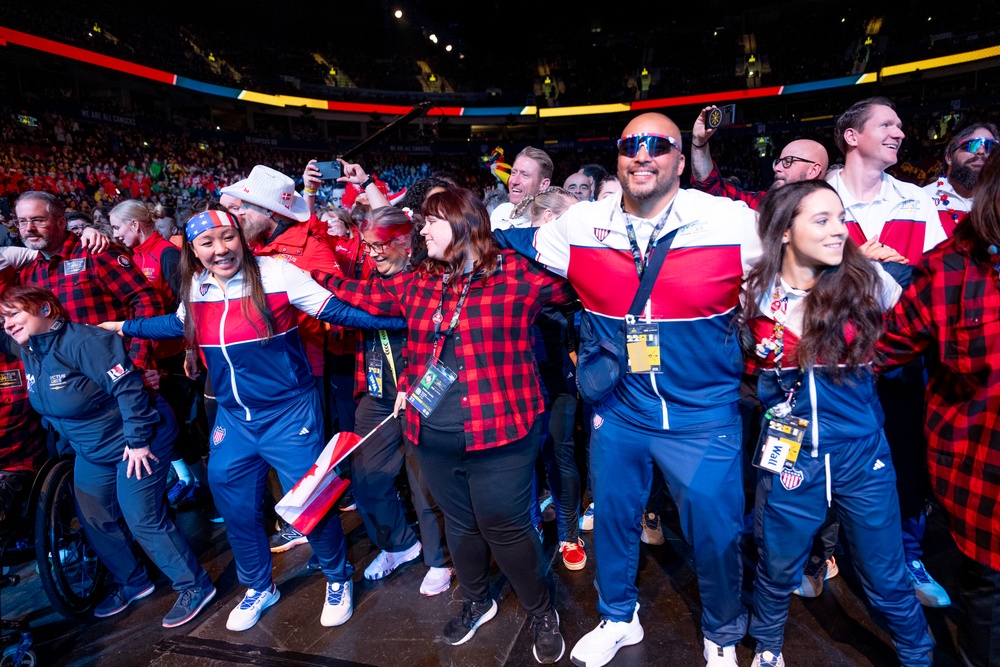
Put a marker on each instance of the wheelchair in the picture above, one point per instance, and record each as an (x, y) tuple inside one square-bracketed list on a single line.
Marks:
[(49, 532)]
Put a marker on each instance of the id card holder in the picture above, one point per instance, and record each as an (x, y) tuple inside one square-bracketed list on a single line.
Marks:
[(431, 388), (642, 341), (373, 373), (780, 443)]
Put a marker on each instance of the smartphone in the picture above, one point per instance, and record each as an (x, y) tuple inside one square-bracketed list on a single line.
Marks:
[(329, 171), (724, 115)]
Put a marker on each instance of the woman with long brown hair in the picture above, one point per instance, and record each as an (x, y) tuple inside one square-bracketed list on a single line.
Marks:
[(474, 401), (812, 317), (243, 311), (951, 315)]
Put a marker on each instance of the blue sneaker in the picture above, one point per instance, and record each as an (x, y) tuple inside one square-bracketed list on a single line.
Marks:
[(177, 491), (587, 520), (120, 598), (929, 592), (190, 602)]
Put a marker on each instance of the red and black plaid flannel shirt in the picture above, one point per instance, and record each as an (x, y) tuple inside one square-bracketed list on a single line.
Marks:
[(98, 288), (951, 313), (498, 381), (716, 186)]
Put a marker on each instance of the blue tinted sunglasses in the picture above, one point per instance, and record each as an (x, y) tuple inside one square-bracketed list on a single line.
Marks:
[(656, 144), (973, 145)]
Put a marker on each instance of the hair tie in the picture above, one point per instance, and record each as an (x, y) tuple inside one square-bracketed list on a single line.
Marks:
[(408, 212)]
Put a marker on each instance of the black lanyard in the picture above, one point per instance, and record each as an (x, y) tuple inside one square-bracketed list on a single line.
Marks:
[(438, 318), (640, 260)]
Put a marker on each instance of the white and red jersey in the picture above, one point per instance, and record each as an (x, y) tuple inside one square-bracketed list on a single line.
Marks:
[(901, 216)]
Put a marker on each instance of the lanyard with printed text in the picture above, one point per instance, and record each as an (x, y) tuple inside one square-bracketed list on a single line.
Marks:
[(387, 351), (438, 317), (640, 260)]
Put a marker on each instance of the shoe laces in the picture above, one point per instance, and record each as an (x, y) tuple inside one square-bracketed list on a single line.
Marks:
[(189, 595), (335, 593), (252, 598), (917, 571), (544, 622), (652, 520)]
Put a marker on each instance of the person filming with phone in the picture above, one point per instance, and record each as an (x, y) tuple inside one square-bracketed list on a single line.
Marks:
[(800, 160)]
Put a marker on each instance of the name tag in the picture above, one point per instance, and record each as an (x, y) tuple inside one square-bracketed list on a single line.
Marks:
[(643, 344), (374, 373), (71, 267), (780, 443), (427, 395)]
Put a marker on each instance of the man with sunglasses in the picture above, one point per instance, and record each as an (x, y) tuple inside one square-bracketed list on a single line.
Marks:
[(678, 412), (800, 160), (965, 156)]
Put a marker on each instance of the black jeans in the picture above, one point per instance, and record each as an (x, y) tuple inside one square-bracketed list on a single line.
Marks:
[(979, 619), (485, 496)]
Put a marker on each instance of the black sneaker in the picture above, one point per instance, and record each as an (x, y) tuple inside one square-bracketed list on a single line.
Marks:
[(461, 628), (189, 603), (549, 645)]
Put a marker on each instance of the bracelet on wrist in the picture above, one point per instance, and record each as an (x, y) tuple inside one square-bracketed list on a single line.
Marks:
[(699, 145), (309, 192), (368, 181)]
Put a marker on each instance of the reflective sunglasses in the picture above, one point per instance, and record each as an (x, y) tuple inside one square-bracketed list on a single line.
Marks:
[(656, 144), (973, 145), (789, 160)]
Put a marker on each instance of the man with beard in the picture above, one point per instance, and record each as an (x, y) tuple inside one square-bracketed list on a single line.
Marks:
[(800, 160), (965, 156), (681, 416), (530, 174)]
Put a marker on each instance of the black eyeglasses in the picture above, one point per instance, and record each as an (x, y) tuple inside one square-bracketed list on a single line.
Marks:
[(379, 248), (656, 144), (973, 145), (789, 160)]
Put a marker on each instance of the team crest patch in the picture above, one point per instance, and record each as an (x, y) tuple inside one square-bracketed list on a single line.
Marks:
[(204, 289), (123, 260), (598, 420), (31, 381), (10, 379), (601, 234), (218, 435), (116, 372), (791, 479)]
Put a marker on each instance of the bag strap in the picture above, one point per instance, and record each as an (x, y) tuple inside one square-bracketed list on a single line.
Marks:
[(656, 259)]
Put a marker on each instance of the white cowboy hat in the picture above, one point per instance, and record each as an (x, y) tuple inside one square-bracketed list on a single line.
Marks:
[(272, 190)]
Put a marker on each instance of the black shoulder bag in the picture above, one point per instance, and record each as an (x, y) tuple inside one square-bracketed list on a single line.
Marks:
[(603, 362)]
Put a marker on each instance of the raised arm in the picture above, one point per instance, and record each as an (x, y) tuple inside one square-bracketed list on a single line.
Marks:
[(701, 155)]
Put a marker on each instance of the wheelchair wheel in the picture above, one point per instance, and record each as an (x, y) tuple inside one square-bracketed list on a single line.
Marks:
[(71, 573), (29, 659)]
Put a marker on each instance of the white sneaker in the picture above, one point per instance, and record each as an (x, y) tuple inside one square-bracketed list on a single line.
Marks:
[(929, 592), (248, 611), (600, 645), (387, 561), (339, 604), (652, 531), (437, 580), (587, 520), (719, 656), (768, 659)]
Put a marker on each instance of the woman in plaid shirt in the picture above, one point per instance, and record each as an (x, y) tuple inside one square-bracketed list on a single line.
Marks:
[(951, 315), (471, 380)]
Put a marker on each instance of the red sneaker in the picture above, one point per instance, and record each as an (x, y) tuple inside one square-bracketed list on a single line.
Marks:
[(573, 555)]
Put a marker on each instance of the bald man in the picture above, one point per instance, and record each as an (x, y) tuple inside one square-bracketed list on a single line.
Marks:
[(673, 409), (800, 160)]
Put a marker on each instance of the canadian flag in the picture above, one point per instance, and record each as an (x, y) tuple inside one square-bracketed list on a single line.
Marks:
[(313, 495)]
